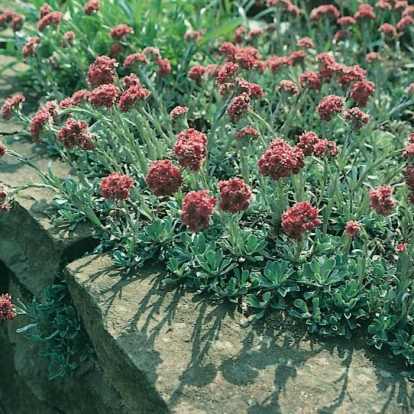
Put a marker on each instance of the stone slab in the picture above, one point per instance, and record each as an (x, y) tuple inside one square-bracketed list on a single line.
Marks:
[(171, 351)]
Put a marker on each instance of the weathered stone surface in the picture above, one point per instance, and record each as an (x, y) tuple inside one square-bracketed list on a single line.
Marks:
[(160, 345), (30, 244), (25, 371)]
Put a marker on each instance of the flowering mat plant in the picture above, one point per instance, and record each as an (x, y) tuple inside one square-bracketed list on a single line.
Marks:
[(262, 150)]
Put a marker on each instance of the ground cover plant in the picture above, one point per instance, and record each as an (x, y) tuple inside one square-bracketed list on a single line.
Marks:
[(267, 160)]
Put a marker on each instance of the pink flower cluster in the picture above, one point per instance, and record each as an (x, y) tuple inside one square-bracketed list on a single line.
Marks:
[(52, 18), (298, 219), (361, 92), (190, 149), (197, 209), (238, 107), (163, 178), (329, 106), (120, 31), (246, 133), (311, 144), (90, 7), (29, 49), (281, 160), (288, 87), (4, 205), (6, 308), (178, 112), (101, 72), (116, 186), (356, 118), (408, 171), (381, 201), (3, 150), (42, 117), (104, 95), (9, 17), (328, 11), (235, 195), (75, 134), (133, 96), (352, 228), (11, 104)]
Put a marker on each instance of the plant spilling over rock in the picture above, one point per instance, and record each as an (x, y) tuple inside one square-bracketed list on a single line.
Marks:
[(271, 166), (55, 329)]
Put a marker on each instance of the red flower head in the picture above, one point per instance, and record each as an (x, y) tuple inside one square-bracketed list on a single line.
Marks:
[(346, 21), (134, 95), (288, 87), (115, 50), (298, 219), (79, 96), (42, 118), (44, 10), (226, 73), (388, 30), (12, 18), (101, 72), (164, 67), (29, 49), (235, 195), (247, 133), (90, 7), (197, 209), (310, 80), (405, 22), (120, 31), (116, 187), (305, 42), (252, 89), (131, 80), (281, 160), (190, 149), (274, 63), (239, 34), (246, 57), (6, 308), (365, 13), (196, 73), (75, 134), (330, 106), (380, 200), (11, 104), (68, 38), (372, 57), (341, 35), (104, 95), (356, 118), (296, 57), (409, 88), (238, 106), (361, 92), (163, 178), (408, 153), (400, 247), (307, 142), (192, 36), (178, 112), (3, 150), (384, 5), (325, 148), (135, 59), (352, 228), (328, 10), (52, 18)]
